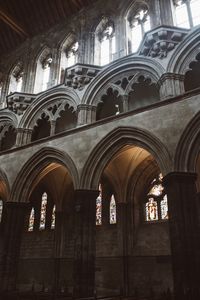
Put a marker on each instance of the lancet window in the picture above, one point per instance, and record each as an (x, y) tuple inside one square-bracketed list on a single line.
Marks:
[(139, 23), (99, 207), (31, 220), (1, 209), (113, 211)]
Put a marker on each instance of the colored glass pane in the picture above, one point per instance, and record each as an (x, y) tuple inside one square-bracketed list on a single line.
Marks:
[(31, 220), (1, 210), (43, 211), (99, 207), (113, 214), (151, 210), (164, 208), (53, 218)]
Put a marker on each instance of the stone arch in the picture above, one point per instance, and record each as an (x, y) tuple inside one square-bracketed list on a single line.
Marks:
[(8, 126), (188, 147), (184, 53), (57, 96), (112, 143), (21, 187), (117, 68)]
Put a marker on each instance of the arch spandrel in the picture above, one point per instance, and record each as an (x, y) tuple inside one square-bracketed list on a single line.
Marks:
[(185, 53), (112, 143), (21, 188)]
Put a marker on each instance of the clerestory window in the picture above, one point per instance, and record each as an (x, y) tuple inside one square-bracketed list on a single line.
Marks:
[(139, 23), (105, 43), (187, 13)]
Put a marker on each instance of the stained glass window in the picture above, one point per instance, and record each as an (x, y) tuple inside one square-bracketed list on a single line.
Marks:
[(99, 207), (43, 211), (113, 214), (31, 220), (151, 210), (157, 206), (1, 210), (53, 218), (164, 208)]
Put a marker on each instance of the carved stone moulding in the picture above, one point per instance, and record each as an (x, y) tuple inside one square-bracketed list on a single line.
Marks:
[(160, 41), (79, 75), (18, 102)]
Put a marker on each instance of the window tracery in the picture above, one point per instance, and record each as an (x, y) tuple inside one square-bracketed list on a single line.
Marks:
[(139, 23), (156, 208), (113, 211), (187, 13)]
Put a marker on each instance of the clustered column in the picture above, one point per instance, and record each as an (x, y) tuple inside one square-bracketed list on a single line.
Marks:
[(184, 233), (84, 254)]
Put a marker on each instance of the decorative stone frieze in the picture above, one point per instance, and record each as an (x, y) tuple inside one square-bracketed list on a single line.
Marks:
[(18, 102), (79, 75), (162, 40)]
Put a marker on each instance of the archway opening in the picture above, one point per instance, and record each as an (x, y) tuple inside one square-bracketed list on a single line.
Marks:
[(47, 241), (134, 233)]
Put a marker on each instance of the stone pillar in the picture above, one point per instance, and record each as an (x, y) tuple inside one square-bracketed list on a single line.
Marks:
[(23, 136), (166, 12), (125, 103), (58, 242), (122, 238), (184, 234), (85, 250), (154, 12), (86, 114), (171, 85), (53, 127), (12, 232)]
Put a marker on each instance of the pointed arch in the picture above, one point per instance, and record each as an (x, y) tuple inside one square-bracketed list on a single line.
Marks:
[(188, 146), (112, 143), (22, 186), (131, 63), (184, 53), (61, 95)]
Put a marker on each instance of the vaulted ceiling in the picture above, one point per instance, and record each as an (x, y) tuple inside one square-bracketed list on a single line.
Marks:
[(22, 19)]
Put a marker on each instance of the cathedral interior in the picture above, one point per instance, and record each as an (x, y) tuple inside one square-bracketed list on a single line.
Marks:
[(100, 149)]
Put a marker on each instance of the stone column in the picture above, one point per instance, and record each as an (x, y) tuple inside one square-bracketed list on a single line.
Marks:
[(122, 238), (86, 114), (12, 232), (58, 243), (23, 136), (184, 234), (84, 254), (171, 85), (166, 12), (53, 127)]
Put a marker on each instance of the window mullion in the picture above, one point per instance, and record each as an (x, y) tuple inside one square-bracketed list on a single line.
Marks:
[(189, 11)]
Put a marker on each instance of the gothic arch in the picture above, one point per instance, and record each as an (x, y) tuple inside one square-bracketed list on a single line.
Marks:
[(185, 53), (117, 68), (188, 146), (112, 143), (60, 95), (21, 187)]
